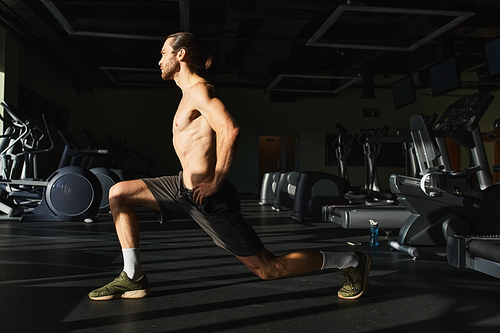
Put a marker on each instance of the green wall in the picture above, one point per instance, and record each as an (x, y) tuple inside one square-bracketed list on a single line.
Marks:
[(143, 117)]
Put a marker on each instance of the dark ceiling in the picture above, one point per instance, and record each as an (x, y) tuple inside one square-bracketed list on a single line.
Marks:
[(101, 43)]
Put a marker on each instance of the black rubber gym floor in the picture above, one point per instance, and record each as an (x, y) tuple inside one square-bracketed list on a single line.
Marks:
[(48, 268)]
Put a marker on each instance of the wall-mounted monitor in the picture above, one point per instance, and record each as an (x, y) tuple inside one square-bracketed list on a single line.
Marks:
[(492, 51), (403, 92), (445, 77)]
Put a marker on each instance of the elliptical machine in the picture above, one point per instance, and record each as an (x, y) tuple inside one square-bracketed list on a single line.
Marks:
[(73, 155), (315, 189), (69, 194), (342, 150)]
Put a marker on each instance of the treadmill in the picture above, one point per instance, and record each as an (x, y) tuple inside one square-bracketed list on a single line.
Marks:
[(477, 252), (381, 207), (445, 203)]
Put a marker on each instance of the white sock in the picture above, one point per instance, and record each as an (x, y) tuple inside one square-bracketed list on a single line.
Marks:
[(132, 263), (339, 260)]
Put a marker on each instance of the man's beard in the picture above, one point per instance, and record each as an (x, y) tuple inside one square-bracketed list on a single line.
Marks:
[(172, 67)]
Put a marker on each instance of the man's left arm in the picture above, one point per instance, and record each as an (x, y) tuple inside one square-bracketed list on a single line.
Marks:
[(226, 131)]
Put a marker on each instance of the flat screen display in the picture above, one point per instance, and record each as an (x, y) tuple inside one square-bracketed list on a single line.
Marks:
[(403, 92), (492, 50), (444, 77)]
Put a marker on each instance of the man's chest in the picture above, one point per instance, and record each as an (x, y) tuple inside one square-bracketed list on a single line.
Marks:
[(186, 117)]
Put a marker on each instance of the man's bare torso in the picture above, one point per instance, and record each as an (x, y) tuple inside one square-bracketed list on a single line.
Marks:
[(194, 142)]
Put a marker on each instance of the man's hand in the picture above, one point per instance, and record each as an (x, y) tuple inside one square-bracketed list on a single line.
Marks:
[(203, 191)]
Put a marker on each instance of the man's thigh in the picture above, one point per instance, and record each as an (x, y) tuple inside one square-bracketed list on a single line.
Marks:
[(135, 193), (166, 191)]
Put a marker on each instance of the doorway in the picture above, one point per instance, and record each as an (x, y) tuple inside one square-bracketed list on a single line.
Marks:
[(276, 152)]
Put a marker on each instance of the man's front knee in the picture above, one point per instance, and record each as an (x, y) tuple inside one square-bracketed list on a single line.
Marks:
[(115, 191), (118, 193)]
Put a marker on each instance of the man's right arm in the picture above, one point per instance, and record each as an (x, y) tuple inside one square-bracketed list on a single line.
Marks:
[(227, 132)]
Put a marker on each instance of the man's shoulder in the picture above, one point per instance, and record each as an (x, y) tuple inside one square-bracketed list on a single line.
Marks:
[(205, 85), (203, 89)]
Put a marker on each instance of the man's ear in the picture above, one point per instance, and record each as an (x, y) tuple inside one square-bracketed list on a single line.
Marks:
[(181, 54)]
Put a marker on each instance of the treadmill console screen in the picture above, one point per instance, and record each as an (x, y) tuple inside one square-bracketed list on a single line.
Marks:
[(466, 112)]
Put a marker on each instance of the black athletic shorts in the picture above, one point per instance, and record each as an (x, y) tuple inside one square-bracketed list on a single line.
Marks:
[(219, 215)]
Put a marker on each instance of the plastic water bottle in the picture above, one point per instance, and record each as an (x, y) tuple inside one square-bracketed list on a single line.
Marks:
[(373, 233)]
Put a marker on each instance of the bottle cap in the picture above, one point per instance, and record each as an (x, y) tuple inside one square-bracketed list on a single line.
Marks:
[(373, 222)]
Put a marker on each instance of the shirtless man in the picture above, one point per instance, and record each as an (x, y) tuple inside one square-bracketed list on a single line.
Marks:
[(204, 136)]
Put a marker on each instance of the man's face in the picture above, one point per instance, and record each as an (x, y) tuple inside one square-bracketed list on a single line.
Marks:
[(169, 64)]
